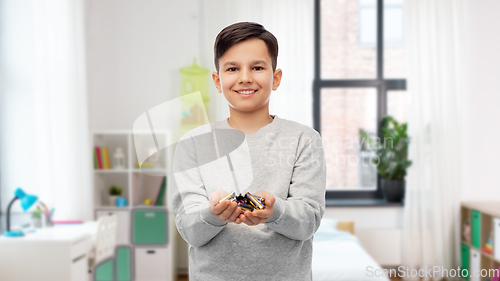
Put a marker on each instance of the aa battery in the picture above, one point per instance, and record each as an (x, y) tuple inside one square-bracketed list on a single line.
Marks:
[(254, 201), (231, 196)]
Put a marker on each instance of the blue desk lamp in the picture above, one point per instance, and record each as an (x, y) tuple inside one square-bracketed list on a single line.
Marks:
[(26, 202)]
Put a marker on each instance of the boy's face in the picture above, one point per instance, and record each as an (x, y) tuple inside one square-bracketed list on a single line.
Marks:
[(247, 68)]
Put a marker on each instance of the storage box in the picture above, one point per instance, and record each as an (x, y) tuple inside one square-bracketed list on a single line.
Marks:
[(496, 239), (465, 258), (476, 229), (475, 265), (123, 264), (149, 226), (151, 264)]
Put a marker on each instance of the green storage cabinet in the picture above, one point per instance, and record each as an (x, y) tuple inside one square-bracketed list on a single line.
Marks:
[(104, 271), (476, 229), (123, 264), (465, 258), (149, 226)]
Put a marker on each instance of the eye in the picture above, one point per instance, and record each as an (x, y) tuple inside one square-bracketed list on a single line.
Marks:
[(231, 69), (258, 68)]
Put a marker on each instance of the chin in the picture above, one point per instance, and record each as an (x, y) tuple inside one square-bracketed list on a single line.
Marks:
[(248, 109), (245, 109)]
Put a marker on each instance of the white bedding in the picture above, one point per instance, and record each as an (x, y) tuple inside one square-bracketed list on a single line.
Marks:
[(339, 256)]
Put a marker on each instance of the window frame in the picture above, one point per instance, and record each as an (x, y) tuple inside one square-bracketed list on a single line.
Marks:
[(379, 83)]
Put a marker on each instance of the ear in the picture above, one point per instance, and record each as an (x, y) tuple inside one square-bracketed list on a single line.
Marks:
[(216, 79), (277, 79)]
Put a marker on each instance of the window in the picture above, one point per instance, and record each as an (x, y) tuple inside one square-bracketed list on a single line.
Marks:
[(18, 149), (359, 78)]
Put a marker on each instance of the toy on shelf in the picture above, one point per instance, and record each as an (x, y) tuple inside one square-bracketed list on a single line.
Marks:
[(119, 159), (121, 202), (488, 246), (466, 231), (194, 111), (145, 165)]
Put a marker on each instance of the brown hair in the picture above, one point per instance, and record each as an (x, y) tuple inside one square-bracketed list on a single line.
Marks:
[(241, 31)]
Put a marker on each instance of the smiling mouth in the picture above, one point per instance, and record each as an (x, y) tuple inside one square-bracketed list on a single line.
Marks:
[(246, 92)]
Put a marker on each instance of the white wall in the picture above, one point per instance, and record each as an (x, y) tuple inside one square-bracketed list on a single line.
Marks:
[(481, 167), (134, 52)]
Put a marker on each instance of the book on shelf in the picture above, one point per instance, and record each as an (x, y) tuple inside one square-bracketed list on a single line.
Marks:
[(161, 193), (96, 165), (105, 158), (99, 160)]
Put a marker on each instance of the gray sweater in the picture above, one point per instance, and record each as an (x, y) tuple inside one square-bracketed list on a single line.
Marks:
[(284, 158)]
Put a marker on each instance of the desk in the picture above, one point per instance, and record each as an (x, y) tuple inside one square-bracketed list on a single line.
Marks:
[(59, 253)]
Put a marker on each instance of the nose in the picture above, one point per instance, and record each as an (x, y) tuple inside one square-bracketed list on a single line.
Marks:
[(245, 77)]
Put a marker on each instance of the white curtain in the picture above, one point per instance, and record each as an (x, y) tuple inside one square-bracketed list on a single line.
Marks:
[(431, 235), (291, 21), (61, 108)]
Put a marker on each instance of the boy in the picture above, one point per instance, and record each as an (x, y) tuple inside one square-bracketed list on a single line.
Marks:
[(277, 159)]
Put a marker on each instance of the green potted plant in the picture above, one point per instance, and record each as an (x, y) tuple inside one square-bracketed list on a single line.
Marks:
[(392, 157), (114, 193)]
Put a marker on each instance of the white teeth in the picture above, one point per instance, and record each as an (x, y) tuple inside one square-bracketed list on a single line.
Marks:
[(246, 92)]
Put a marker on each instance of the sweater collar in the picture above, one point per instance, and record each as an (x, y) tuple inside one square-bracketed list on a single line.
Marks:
[(271, 127)]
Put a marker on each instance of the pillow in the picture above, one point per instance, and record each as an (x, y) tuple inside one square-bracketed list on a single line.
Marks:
[(328, 231)]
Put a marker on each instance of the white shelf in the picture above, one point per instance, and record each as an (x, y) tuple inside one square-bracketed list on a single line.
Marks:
[(136, 170), (109, 171), (111, 208), (137, 184)]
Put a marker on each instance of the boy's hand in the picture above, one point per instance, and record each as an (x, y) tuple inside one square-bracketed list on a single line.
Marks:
[(225, 211), (256, 217)]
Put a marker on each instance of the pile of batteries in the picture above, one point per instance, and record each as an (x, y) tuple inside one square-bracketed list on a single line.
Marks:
[(247, 202)]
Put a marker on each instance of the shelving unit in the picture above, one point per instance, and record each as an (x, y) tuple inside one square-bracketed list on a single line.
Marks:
[(484, 219), (149, 260)]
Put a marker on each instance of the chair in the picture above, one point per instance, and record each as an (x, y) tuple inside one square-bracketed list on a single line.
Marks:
[(101, 264)]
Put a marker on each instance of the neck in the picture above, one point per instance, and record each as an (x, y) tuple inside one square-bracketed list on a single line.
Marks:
[(249, 122)]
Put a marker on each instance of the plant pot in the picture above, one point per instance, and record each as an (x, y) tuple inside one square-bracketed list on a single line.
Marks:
[(37, 222), (394, 190), (112, 200)]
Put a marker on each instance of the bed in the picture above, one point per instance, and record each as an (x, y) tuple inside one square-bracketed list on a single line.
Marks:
[(338, 255)]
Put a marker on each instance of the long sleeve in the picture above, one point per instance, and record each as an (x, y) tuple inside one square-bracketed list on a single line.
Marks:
[(284, 158), (299, 216), (189, 198)]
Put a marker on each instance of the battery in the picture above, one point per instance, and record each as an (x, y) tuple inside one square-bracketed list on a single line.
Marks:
[(256, 203), (247, 202), (231, 196)]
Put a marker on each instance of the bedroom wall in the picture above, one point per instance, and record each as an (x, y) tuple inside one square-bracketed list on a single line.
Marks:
[(481, 134), (134, 53), (133, 60)]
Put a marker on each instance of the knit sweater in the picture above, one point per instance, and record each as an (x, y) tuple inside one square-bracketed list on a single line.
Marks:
[(284, 158)]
